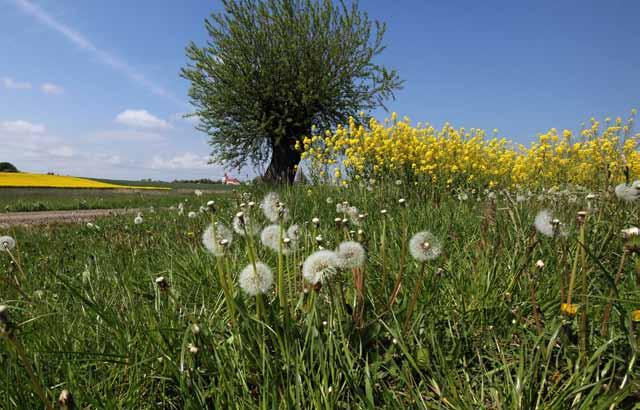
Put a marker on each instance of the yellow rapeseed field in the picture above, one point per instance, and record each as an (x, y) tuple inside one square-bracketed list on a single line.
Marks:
[(600, 155), (26, 180)]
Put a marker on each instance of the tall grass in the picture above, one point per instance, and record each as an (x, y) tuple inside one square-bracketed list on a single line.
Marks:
[(485, 329)]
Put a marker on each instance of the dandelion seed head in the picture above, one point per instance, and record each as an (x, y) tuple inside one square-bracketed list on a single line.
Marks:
[(269, 206), (293, 232), (628, 193), (424, 246), (217, 238), (544, 223), (243, 225), (138, 220), (192, 215), (319, 266), (7, 243), (255, 281), (351, 254)]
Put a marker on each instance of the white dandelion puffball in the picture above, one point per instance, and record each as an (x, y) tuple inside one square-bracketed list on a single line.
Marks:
[(294, 232), (270, 237), (319, 266), (217, 239), (192, 215), (271, 206), (544, 223), (351, 254), (626, 233), (243, 224), (424, 246), (255, 281), (138, 220), (353, 214), (7, 243), (628, 193)]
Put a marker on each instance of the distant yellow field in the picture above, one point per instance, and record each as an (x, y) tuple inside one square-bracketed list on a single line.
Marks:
[(26, 180)]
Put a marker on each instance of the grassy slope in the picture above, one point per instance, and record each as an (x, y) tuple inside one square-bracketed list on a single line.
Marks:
[(97, 325), (48, 199)]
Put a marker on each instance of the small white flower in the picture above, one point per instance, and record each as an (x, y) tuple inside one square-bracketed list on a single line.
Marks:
[(351, 254), (319, 266), (544, 223), (216, 240), (329, 200), (463, 196), (198, 192), (256, 281), (7, 243), (192, 215), (424, 246)]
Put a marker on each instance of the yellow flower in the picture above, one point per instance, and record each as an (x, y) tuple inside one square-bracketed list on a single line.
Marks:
[(635, 315), (569, 310)]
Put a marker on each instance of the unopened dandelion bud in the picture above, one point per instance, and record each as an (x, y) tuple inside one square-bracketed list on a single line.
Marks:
[(162, 283), (338, 222), (581, 217), (345, 221), (383, 212), (635, 316), (65, 400), (362, 216), (316, 222), (319, 239), (361, 236), (402, 202), (251, 204)]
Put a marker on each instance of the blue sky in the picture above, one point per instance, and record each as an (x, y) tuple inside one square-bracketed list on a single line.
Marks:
[(92, 87)]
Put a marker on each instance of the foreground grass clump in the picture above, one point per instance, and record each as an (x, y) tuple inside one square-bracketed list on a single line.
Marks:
[(388, 296)]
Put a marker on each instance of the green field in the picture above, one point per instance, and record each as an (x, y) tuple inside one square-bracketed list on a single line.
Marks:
[(478, 327), (49, 199), (172, 185)]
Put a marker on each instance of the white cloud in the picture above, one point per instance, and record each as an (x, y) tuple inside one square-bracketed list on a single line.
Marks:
[(184, 161), (49, 88), (10, 83), (141, 119), (64, 151), (21, 127), (81, 41)]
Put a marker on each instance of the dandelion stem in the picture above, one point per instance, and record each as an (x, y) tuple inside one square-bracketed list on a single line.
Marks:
[(414, 299)]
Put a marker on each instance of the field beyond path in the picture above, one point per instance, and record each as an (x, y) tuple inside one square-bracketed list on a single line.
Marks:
[(49, 217)]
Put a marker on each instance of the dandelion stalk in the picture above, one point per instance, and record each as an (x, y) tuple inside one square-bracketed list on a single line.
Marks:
[(416, 294), (607, 310)]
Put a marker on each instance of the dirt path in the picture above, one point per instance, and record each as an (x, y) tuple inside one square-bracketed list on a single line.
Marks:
[(52, 217)]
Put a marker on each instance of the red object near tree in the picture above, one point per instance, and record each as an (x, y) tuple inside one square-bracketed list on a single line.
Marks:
[(230, 180)]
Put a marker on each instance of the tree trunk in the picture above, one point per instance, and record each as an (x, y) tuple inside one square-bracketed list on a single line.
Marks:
[(282, 168)]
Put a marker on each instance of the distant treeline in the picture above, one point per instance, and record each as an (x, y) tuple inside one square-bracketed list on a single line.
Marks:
[(197, 181)]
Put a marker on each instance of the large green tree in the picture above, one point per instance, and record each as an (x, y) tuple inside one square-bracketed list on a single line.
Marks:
[(272, 69)]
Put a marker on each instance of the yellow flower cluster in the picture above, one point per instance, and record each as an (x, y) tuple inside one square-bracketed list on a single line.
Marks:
[(451, 156), (26, 180)]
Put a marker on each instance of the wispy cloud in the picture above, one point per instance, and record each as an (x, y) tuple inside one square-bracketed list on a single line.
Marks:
[(10, 83), (105, 57), (50, 88)]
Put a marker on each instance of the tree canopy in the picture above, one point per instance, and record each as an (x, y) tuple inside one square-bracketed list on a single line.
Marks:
[(7, 167), (272, 69)]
